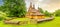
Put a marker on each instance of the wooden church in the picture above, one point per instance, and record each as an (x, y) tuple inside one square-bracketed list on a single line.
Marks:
[(33, 13)]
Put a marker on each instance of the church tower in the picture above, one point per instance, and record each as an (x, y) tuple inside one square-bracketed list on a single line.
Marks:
[(33, 6), (30, 6)]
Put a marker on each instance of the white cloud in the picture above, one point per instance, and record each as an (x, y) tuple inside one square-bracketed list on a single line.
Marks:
[(49, 5)]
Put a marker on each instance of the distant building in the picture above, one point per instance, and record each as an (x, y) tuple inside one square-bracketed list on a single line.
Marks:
[(33, 13)]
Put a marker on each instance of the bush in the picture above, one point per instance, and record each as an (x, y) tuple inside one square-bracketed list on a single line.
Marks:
[(2, 15), (1, 18)]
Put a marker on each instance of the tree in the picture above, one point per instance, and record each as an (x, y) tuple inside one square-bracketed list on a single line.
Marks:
[(40, 10), (14, 7), (57, 12), (47, 13)]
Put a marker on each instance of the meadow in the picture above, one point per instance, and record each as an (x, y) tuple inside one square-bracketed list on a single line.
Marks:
[(54, 23)]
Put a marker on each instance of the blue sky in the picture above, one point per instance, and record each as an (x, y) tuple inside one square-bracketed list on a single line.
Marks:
[(1, 2)]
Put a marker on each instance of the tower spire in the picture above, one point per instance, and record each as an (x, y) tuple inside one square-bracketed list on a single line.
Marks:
[(33, 6), (30, 4), (30, 8)]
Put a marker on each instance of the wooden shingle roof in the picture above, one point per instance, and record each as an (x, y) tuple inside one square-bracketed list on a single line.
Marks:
[(33, 11)]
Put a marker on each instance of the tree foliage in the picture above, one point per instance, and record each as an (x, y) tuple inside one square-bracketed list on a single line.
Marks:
[(44, 12), (40, 10), (47, 13), (14, 7), (57, 12)]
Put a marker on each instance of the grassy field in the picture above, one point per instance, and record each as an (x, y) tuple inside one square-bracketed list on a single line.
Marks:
[(53, 23)]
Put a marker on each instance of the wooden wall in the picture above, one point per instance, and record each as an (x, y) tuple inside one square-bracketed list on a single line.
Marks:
[(36, 17)]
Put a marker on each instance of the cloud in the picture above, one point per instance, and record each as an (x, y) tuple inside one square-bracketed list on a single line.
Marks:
[(49, 5), (52, 5)]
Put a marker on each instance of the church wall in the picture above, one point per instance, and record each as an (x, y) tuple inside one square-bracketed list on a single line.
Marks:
[(35, 17), (40, 17)]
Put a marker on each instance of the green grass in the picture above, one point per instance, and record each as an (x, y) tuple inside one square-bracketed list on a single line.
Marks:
[(53, 23)]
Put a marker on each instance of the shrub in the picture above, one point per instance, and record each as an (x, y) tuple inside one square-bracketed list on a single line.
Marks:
[(2, 15), (1, 18)]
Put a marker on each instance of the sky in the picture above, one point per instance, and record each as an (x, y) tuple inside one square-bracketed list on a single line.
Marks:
[(1, 2), (49, 5)]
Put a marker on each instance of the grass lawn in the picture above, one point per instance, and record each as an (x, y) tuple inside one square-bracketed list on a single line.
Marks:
[(53, 23)]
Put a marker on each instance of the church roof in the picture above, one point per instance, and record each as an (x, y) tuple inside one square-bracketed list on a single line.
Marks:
[(34, 11), (37, 13)]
